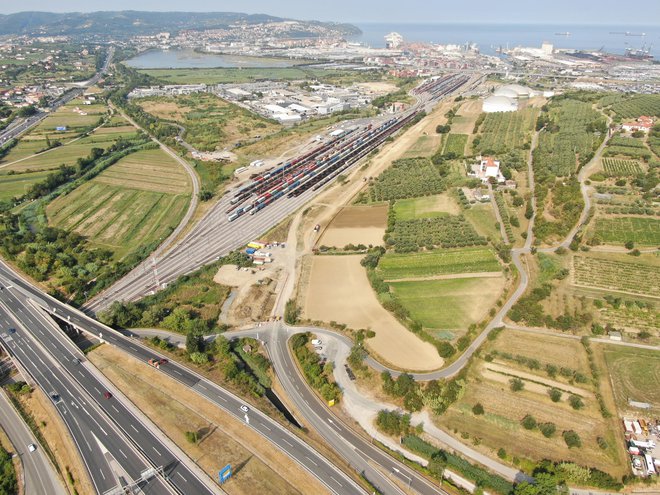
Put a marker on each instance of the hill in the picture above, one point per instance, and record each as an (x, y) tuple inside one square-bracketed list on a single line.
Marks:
[(131, 23)]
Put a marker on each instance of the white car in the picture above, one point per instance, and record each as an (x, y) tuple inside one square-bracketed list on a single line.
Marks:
[(32, 447), (245, 408)]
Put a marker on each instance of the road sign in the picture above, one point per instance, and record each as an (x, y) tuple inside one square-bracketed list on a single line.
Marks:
[(225, 473)]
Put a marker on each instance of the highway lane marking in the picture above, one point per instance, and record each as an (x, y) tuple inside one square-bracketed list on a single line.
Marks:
[(134, 428), (101, 471), (97, 390), (122, 453), (116, 410), (310, 460), (203, 386), (263, 425), (177, 372), (156, 451), (222, 398), (182, 477), (287, 442), (333, 479), (134, 348)]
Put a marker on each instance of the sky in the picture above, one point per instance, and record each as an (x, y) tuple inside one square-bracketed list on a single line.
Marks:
[(616, 12)]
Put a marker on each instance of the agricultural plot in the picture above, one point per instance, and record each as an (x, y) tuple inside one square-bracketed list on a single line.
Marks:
[(210, 122), (482, 216), (446, 231), (502, 132), (451, 304), (636, 106), (133, 203), (612, 274), (424, 146), (438, 262), (617, 167), (570, 137), (627, 142), (356, 225), (629, 151), (339, 290), (504, 214), (21, 167), (634, 374), (455, 145), (632, 318), (425, 207), (407, 178), (14, 185), (619, 230), (500, 426)]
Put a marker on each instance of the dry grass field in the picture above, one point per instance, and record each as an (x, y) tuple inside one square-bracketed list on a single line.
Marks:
[(356, 225), (426, 207), (339, 291), (258, 467), (132, 203), (500, 425)]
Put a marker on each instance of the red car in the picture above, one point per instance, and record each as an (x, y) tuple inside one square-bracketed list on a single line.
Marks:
[(107, 395)]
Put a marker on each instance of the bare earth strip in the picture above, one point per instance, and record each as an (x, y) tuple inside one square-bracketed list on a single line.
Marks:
[(340, 291)]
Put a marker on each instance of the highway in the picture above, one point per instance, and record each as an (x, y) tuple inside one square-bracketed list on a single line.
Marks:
[(215, 236), (335, 480), (39, 475), (114, 444), (21, 125)]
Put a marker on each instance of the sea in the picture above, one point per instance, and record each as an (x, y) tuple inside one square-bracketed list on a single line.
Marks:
[(490, 37)]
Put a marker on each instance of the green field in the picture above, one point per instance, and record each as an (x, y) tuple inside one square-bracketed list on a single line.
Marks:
[(15, 185), (637, 106), (634, 374), (407, 178), (501, 132), (483, 218), (617, 167), (619, 230), (455, 143), (449, 231), (447, 304), (250, 74), (133, 203), (610, 273), (21, 167), (424, 207), (438, 262)]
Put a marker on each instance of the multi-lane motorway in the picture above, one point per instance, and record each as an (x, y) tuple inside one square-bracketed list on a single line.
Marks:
[(20, 291), (115, 444)]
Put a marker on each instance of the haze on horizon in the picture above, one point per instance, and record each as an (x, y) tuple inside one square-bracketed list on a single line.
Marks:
[(395, 11)]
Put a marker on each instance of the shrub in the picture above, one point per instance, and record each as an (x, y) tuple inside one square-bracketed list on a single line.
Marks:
[(572, 439), (501, 453), (516, 384), (192, 436), (576, 402), (477, 409), (555, 394), (528, 422), (548, 429)]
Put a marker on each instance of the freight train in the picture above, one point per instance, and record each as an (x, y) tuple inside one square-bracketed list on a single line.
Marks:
[(326, 162)]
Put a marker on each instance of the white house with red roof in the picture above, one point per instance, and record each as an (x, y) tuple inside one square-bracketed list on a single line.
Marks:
[(486, 169), (643, 123)]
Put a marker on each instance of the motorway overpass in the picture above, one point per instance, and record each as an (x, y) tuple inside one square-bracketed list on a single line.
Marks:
[(22, 292), (116, 444)]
